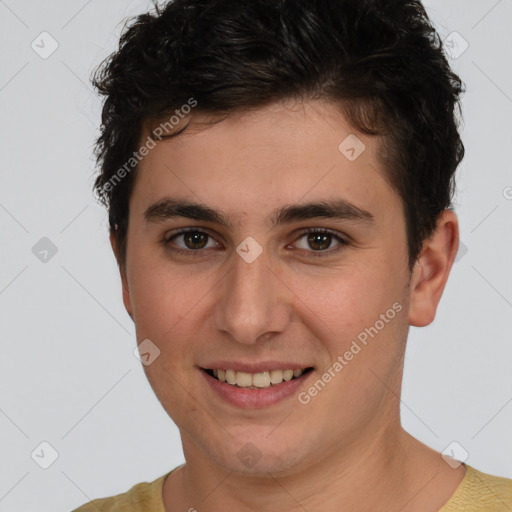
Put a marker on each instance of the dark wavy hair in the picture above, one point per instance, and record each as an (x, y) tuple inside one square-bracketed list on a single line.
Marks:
[(380, 62)]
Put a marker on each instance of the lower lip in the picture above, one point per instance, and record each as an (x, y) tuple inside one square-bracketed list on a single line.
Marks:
[(255, 398)]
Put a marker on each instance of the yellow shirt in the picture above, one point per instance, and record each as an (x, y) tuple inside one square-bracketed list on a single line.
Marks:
[(478, 492)]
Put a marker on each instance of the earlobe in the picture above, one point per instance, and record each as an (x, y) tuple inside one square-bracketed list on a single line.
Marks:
[(124, 282), (432, 269)]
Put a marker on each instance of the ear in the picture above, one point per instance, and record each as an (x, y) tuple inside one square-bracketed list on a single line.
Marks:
[(122, 270), (432, 269)]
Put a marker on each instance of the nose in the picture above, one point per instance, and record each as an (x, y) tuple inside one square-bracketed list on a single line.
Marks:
[(252, 301)]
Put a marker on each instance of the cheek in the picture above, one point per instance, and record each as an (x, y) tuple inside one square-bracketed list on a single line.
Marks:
[(179, 396), (347, 299), (161, 296), (358, 315)]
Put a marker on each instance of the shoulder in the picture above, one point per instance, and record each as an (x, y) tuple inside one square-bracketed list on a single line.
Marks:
[(481, 492), (141, 497)]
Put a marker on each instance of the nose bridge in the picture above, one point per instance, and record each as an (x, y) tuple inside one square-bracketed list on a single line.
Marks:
[(250, 302)]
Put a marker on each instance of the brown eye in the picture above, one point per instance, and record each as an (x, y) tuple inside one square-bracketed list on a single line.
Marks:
[(195, 240), (191, 240), (319, 241)]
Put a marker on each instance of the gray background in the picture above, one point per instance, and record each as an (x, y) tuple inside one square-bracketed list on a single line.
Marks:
[(68, 373)]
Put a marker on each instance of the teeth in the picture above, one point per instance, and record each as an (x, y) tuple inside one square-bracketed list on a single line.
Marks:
[(288, 375), (257, 380), (276, 376), (260, 380), (244, 380)]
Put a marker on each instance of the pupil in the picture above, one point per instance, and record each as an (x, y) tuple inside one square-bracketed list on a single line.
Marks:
[(318, 241), (195, 240)]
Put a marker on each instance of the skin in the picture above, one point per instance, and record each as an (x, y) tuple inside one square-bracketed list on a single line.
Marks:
[(293, 303)]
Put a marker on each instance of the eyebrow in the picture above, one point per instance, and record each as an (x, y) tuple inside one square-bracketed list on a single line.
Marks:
[(340, 209)]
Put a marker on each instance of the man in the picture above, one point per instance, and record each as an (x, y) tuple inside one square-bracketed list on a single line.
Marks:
[(279, 176)]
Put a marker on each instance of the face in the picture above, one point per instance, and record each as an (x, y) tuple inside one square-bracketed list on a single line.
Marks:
[(276, 250)]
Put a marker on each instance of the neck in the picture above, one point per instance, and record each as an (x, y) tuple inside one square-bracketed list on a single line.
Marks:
[(386, 470), (380, 467)]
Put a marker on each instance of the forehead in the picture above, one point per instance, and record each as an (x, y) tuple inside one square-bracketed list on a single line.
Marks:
[(281, 153), (284, 123)]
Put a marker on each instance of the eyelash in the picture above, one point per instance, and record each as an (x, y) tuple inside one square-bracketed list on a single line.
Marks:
[(166, 241)]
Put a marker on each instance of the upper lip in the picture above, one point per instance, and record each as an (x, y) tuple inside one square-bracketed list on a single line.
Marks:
[(254, 367)]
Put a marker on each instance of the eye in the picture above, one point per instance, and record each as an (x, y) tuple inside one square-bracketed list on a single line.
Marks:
[(191, 240), (319, 241), (314, 241)]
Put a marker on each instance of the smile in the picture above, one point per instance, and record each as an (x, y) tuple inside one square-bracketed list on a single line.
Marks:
[(260, 380)]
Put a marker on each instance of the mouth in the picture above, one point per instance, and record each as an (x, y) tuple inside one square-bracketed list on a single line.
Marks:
[(260, 380)]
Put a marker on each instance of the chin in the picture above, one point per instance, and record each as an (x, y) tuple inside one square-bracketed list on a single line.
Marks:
[(259, 458)]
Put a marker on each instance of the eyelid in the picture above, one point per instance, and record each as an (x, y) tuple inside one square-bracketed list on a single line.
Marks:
[(179, 231), (342, 239), (169, 236), (336, 234)]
